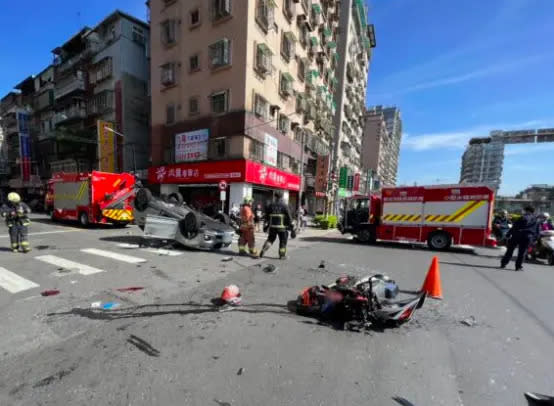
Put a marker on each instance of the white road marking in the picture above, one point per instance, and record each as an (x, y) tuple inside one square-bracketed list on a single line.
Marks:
[(45, 232), (114, 255), (67, 264), (159, 251), (14, 283)]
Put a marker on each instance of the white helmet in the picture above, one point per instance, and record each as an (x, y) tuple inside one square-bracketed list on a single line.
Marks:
[(14, 197), (546, 215)]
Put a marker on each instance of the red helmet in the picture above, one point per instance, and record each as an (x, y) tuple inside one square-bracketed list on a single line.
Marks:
[(231, 294)]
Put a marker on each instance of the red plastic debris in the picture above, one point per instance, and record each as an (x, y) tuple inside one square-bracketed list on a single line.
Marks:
[(130, 289), (51, 292)]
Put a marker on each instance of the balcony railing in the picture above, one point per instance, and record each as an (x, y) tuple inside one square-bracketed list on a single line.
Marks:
[(73, 113), (68, 87)]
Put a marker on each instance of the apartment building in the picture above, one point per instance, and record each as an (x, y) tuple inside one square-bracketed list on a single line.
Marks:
[(354, 50), (482, 161), (238, 87), (50, 120)]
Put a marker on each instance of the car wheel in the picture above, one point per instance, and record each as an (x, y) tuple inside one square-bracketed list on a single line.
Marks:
[(439, 241), (142, 199), (83, 219), (189, 225), (223, 218), (176, 198)]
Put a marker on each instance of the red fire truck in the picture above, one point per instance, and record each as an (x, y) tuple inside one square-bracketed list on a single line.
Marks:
[(436, 215), (91, 197)]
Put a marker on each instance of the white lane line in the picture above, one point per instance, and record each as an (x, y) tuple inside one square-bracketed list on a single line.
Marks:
[(67, 264), (159, 251), (45, 232), (14, 283), (114, 255)]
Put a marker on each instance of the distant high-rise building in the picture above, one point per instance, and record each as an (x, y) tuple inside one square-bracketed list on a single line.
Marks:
[(381, 143), (483, 159)]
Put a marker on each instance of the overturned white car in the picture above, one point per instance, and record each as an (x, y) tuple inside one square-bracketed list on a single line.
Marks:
[(171, 219)]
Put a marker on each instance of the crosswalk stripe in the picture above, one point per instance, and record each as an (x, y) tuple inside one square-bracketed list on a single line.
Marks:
[(67, 264), (14, 283), (114, 255), (159, 251)]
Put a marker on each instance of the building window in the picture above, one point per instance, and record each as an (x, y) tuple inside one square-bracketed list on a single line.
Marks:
[(220, 53), (220, 102), (221, 9), (218, 148), (287, 45), (261, 107), (168, 33), (265, 13), (283, 161), (302, 69), (170, 113), (100, 102), (195, 18), (285, 85), (288, 9), (194, 108), (168, 74), (256, 150), (300, 103), (284, 123), (263, 59), (138, 35), (194, 63)]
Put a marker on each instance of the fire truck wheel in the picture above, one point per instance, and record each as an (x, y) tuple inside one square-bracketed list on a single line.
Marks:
[(364, 236), (142, 199), (83, 219), (189, 225), (439, 241)]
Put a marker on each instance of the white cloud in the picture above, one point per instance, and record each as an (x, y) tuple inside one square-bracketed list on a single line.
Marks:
[(459, 139)]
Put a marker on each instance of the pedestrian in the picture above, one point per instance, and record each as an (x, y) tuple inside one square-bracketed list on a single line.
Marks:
[(16, 214), (247, 228), (258, 216), (545, 222), (523, 233), (279, 222)]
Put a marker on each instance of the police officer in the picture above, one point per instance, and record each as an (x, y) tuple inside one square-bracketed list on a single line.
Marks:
[(524, 232), (247, 228), (278, 220), (16, 216)]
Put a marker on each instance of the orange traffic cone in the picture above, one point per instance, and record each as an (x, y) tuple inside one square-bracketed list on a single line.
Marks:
[(432, 284)]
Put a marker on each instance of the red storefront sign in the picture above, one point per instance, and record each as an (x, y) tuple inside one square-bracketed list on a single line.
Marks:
[(356, 182), (230, 171)]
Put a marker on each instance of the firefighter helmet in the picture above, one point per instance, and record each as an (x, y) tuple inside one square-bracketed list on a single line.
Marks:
[(247, 200), (14, 197)]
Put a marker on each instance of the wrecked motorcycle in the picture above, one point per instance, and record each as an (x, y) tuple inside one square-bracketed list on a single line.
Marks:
[(359, 303)]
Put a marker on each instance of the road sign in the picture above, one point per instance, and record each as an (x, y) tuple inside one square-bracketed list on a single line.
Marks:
[(222, 195), (222, 186)]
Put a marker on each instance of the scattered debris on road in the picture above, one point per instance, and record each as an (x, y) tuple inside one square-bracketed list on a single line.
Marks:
[(95, 305), (322, 265), (269, 268), (110, 305), (226, 259), (130, 289), (231, 295), (469, 321), (240, 371), (50, 292)]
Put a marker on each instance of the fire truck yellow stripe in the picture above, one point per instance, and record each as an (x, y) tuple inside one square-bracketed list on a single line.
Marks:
[(396, 217), (443, 217), (461, 210), (470, 211)]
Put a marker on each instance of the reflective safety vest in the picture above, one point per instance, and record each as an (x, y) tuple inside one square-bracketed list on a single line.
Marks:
[(277, 221)]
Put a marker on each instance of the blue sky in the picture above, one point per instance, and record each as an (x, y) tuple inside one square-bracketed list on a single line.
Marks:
[(460, 69), (455, 69)]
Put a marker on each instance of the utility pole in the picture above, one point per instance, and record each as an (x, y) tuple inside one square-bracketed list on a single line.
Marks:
[(301, 192)]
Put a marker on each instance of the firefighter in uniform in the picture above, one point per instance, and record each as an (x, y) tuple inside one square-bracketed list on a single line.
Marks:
[(247, 228), (278, 221), (16, 216)]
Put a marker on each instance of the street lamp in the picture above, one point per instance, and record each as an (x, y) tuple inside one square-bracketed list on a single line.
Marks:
[(123, 144)]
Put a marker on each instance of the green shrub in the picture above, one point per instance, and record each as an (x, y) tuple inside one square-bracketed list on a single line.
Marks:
[(332, 221), (318, 219), (324, 224)]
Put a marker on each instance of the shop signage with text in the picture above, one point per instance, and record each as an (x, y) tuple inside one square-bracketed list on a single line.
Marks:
[(192, 146)]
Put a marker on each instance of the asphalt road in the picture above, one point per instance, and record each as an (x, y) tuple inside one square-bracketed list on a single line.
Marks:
[(167, 345)]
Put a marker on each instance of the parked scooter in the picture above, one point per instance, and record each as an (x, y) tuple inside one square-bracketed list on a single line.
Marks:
[(544, 247)]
